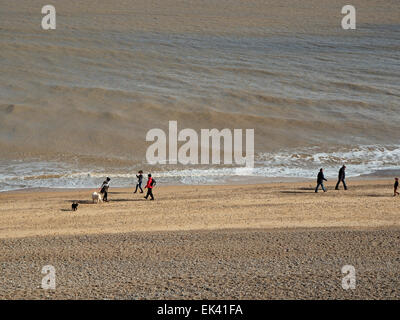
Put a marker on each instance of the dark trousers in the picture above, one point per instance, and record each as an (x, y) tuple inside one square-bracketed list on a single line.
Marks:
[(320, 184), (105, 196), (149, 193), (139, 185), (344, 184)]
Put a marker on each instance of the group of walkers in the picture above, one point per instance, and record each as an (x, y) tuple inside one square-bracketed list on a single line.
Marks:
[(151, 183), (341, 179), (149, 186)]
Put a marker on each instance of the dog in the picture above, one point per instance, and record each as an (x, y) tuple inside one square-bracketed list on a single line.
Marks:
[(75, 206), (97, 197)]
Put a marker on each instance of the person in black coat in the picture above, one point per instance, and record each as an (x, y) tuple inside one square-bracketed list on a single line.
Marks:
[(341, 177), (320, 180), (104, 189), (140, 181)]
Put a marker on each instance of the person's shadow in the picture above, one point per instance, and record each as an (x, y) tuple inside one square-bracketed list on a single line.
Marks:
[(125, 200), (294, 192), (81, 201)]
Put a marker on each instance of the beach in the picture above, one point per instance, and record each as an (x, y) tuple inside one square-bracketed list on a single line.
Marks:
[(265, 241), (202, 84)]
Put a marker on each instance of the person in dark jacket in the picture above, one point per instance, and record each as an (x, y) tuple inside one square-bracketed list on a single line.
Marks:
[(104, 189), (341, 178), (396, 187), (139, 176), (149, 187), (320, 180)]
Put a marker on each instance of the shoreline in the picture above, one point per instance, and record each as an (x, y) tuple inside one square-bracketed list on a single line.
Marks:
[(231, 181)]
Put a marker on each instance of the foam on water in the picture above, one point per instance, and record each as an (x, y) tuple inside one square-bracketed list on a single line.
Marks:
[(304, 162), (296, 163)]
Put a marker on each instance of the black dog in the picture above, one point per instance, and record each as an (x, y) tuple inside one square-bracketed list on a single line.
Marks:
[(75, 206)]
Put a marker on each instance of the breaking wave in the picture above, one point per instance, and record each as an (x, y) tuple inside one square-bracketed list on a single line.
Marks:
[(295, 163)]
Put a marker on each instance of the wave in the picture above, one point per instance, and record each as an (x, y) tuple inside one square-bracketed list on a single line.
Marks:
[(294, 163), (362, 160)]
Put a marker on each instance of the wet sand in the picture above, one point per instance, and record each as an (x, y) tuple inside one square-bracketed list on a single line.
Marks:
[(269, 241)]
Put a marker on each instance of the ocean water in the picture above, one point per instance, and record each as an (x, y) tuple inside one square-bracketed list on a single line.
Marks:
[(76, 103), (303, 164)]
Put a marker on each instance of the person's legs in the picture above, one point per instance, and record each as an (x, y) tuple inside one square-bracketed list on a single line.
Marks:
[(316, 189), (344, 184), (105, 197), (137, 185), (140, 187), (337, 185), (148, 193), (151, 194), (322, 185)]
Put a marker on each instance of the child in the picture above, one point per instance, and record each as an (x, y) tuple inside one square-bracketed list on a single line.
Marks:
[(140, 180), (396, 187)]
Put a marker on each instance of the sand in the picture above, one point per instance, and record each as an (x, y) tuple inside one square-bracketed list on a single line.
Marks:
[(182, 208), (267, 241)]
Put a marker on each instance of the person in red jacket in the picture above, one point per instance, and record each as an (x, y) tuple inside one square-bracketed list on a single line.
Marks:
[(150, 184)]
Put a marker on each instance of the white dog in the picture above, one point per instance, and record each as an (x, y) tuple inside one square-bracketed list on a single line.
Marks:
[(97, 197)]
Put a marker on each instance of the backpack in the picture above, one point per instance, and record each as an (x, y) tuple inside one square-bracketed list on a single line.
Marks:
[(153, 182)]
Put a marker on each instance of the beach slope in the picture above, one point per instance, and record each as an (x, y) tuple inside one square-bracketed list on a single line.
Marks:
[(268, 241)]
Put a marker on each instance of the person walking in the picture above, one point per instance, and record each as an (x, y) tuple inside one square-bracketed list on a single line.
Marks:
[(320, 180), (104, 189), (139, 176), (396, 187), (341, 178), (150, 184)]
